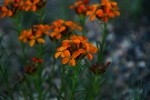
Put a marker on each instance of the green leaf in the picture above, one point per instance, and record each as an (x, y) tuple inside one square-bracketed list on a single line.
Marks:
[(79, 90)]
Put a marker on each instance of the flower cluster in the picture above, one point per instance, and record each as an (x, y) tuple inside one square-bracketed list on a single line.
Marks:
[(104, 10), (10, 7), (36, 34), (61, 28), (77, 47), (100, 68), (37, 60), (33, 66), (80, 6), (5, 9), (56, 30)]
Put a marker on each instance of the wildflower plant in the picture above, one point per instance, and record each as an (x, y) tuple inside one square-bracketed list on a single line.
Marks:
[(75, 48), (79, 57)]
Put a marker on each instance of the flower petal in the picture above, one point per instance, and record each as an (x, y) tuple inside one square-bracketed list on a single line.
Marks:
[(61, 49), (58, 36), (33, 8), (90, 57), (100, 13), (40, 40), (81, 51), (75, 54), (72, 62), (93, 49), (66, 53), (92, 17), (65, 60), (57, 54), (32, 42), (62, 28)]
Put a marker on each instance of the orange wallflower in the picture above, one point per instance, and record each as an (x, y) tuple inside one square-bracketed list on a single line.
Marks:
[(34, 35), (110, 9), (4, 11), (57, 29), (30, 5), (80, 6), (6, 2), (92, 12), (42, 28), (61, 28), (75, 48), (103, 11), (25, 35), (10, 7)]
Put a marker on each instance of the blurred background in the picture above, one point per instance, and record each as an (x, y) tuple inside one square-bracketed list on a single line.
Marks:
[(128, 46)]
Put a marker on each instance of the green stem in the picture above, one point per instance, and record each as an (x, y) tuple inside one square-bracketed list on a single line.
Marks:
[(27, 89), (38, 82), (101, 55), (4, 74), (82, 21), (40, 51), (104, 36), (74, 83), (18, 19), (38, 76), (38, 85), (96, 82), (24, 53), (41, 15), (99, 24)]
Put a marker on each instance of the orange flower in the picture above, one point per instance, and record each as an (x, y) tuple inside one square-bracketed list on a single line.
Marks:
[(65, 54), (6, 2), (105, 10), (56, 28), (91, 49), (35, 35), (5, 12), (69, 59), (42, 28), (110, 9), (61, 52), (57, 32), (75, 48), (30, 5), (80, 6), (92, 12), (19, 4), (11, 6), (61, 28), (99, 13), (25, 35)]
